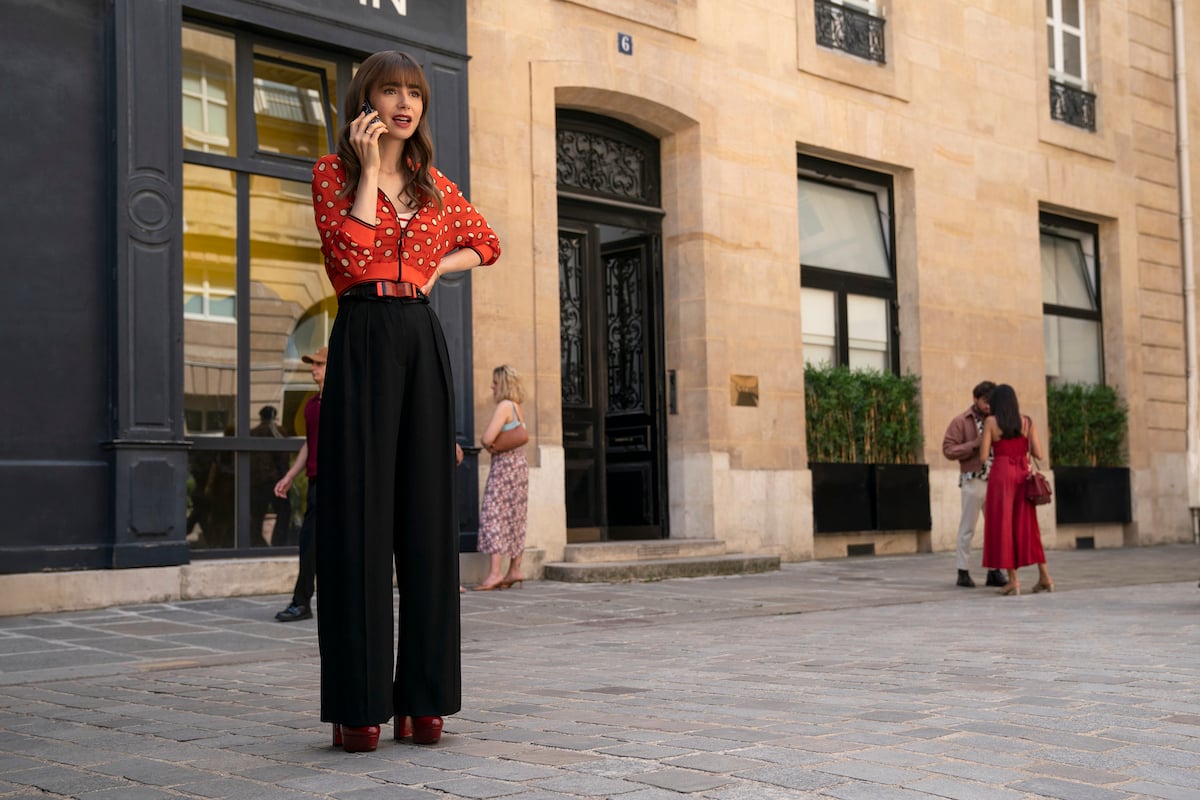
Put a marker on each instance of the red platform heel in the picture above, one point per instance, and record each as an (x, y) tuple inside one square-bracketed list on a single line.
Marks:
[(426, 730), (363, 739), (401, 728), (337, 735)]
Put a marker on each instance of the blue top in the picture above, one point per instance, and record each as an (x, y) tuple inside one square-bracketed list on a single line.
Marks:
[(508, 426)]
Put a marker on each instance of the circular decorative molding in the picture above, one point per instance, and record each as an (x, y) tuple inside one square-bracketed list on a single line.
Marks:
[(151, 208)]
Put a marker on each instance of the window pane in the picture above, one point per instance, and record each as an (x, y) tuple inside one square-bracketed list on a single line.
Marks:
[(291, 303), (1073, 350), (867, 328), (818, 326), (1066, 274), (1072, 58), (841, 229), (209, 294), (208, 91), (290, 105), (1051, 50), (1070, 12), (211, 498)]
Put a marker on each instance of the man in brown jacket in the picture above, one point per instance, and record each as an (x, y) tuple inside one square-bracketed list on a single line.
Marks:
[(961, 444)]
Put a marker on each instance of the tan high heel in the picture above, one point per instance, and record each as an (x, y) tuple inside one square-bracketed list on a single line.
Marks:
[(508, 582), (1012, 588), (1041, 586)]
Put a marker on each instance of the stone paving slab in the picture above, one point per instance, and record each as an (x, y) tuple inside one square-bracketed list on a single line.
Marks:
[(861, 678)]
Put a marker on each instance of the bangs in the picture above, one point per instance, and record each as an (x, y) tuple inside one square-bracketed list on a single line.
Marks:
[(397, 69)]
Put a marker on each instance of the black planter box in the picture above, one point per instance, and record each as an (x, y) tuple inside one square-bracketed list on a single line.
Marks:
[(843, 497), (1091, 495), (870, 497), (902, 497)]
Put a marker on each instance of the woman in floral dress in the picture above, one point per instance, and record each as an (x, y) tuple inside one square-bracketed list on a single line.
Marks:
[(506, 495)]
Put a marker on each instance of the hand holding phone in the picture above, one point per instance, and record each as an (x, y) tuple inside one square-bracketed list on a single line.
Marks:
[(369, 112)]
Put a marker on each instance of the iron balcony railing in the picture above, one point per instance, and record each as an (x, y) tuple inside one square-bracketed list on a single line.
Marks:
[(850, 30), (1072, 105)]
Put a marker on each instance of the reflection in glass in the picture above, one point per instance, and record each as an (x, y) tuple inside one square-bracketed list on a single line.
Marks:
[(290, 102), (291, 303), (270, 516), (211, 498), (209, 299), (208, 92), (842, 229), (1068, 275)]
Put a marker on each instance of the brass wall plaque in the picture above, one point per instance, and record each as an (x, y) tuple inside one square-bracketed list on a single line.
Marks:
[(743, 390)]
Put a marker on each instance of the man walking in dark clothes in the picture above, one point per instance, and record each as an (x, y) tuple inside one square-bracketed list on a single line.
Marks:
[(306, 460)]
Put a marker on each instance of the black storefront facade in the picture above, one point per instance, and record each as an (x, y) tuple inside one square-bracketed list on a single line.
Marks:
[(162, 283)]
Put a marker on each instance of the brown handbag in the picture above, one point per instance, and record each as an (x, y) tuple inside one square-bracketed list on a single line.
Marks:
[(512, 438)]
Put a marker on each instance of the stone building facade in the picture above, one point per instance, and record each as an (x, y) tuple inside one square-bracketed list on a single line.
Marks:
[(951, 113)]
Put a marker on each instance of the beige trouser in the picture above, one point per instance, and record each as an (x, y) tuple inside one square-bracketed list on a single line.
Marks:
[(974, 492)]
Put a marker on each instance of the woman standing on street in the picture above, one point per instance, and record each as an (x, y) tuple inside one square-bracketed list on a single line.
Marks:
[(1011, 537), (390, 226), (506, 494)]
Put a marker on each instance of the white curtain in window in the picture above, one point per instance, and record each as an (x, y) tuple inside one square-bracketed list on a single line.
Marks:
[(867, 329), (1073, 350), (818, 326), (841, 229)]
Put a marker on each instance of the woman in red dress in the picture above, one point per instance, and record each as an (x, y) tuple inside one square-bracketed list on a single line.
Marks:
[(1011, 537)]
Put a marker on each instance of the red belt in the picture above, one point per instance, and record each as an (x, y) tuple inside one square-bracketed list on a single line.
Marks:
[(383, 289)]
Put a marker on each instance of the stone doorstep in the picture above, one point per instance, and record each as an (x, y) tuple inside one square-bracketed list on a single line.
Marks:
[(658, 568), (643, 550)]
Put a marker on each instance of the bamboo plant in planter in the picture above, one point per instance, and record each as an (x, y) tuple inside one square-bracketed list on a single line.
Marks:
[(1088, 425), (863, 435)]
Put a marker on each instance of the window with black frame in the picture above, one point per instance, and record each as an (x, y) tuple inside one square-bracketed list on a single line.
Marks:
[(847, 267), (1071, 314), (256, 115)]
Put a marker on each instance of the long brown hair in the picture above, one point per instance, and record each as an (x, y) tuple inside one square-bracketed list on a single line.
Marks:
[(1006, 411), (397, 69)]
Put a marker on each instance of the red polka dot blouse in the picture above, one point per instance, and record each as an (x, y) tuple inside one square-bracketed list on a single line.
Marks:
[(393, 248)]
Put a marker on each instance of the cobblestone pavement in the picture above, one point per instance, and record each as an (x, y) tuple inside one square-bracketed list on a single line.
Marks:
[(871, 678)]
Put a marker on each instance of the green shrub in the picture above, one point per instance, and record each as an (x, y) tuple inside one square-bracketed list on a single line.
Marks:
[(861, 416), (1087, 424)]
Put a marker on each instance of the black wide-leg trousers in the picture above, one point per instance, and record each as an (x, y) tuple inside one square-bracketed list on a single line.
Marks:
[(386, 495)]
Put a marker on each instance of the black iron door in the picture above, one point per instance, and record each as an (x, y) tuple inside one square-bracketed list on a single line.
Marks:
[(612, 393)]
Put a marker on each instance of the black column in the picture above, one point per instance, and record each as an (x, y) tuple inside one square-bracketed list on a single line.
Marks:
[(149, 454)]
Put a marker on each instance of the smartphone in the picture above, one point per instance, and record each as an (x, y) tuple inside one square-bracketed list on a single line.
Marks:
[(367, 109)]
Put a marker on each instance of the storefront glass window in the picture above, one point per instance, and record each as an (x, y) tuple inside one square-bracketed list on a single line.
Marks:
[(255, 295)]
